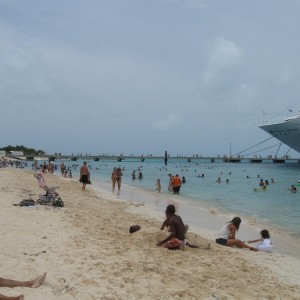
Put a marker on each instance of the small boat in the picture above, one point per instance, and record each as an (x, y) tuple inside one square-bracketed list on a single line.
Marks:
[(255, 160), (231, 160), (279, 161)]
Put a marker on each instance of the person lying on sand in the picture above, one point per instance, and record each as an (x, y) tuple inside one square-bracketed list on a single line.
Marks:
[(176, 238), (35, 283)]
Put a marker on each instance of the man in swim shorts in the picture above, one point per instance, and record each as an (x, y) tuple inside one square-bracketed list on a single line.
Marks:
[(84, 175), (176, 238)]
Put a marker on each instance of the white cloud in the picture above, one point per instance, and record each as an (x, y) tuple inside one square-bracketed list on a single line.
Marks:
[(224, 56), (190, 3), (286, 76), (113, 65), (170, 122), (247, 91)]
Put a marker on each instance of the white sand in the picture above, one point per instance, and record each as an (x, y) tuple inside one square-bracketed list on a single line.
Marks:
[(89, 254)]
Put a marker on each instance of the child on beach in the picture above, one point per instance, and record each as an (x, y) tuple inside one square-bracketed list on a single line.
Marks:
[(158, 185), (264, 244)]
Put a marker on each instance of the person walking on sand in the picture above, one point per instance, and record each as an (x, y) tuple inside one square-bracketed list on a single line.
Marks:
[(84, 175), (41, 180), (176, 238), (35, 283), (226, 236)]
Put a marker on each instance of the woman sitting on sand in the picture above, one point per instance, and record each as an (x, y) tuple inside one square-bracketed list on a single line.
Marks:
[(226, 236)]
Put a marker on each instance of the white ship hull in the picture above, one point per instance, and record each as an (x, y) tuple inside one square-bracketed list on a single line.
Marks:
[(288, 132)]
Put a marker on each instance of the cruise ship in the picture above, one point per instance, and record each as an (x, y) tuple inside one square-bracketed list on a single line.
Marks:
[(288, 131)]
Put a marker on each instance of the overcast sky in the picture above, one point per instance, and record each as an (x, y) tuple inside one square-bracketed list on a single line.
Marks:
[(145, 76)]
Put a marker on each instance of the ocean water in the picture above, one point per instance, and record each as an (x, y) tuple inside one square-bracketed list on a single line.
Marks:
[(276, 206)]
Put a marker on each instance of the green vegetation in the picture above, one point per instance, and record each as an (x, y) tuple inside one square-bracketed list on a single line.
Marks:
[(26, 151)]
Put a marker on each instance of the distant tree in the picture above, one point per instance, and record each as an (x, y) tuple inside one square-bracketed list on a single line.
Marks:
[(26, 151)]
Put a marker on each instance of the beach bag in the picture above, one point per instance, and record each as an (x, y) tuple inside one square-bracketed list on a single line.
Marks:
[(58, 203), (27, 202)]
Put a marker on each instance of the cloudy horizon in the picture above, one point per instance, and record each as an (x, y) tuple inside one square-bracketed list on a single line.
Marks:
[(144, 77)]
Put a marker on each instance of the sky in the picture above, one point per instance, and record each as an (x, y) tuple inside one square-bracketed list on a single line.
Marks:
[(191, 77)]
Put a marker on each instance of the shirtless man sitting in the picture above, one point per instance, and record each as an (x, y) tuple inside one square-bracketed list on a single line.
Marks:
[(176, 238)]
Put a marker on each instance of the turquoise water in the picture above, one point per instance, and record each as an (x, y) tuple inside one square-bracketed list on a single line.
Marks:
[(276, 206)]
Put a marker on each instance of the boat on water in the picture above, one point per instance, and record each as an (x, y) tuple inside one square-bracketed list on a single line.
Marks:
[(288, 131)]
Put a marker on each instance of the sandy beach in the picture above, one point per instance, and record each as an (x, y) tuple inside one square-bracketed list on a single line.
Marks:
[(88, 253)]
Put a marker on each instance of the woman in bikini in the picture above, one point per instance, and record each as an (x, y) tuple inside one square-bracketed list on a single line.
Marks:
[(114, 179)]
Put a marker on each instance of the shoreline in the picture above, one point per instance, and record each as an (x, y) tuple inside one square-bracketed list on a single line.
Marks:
[(203, 219), (89, 254), (207, 224)]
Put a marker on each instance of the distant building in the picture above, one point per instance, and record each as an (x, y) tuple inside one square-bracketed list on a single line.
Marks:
[(16, 153), (2, 153)]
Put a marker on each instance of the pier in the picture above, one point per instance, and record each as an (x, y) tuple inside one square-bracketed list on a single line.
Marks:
[(142, 158)]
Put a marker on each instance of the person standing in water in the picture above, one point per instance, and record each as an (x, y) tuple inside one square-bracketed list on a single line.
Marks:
[(119, 175), (133, 175), (113, 179), (158, 185)]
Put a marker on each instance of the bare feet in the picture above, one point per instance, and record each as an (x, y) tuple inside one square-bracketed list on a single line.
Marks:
[(253, 249), (38, 281)]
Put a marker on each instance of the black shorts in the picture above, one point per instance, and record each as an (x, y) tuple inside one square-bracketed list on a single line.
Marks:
[(221, 241), (84, 179)]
